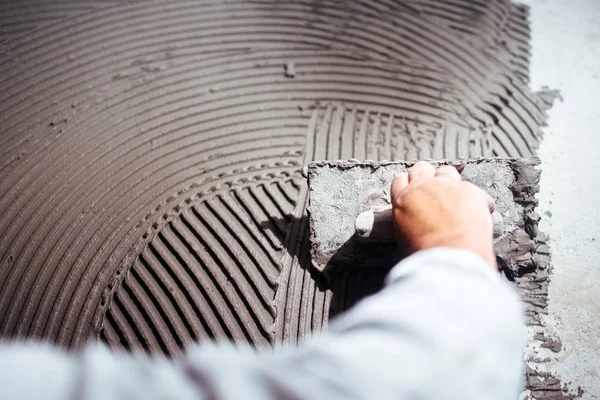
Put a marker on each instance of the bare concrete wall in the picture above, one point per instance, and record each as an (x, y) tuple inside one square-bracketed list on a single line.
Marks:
[(566, 55)]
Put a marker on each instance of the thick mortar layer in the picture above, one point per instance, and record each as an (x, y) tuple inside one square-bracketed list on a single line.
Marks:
[(340, 190)]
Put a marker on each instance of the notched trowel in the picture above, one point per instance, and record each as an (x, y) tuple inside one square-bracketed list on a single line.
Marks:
[(350, 210)]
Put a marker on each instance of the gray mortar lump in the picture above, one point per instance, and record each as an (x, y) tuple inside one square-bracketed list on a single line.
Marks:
[(341, 190)]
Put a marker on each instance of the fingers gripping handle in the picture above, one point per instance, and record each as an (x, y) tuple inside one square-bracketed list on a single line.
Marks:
[(376, 225)]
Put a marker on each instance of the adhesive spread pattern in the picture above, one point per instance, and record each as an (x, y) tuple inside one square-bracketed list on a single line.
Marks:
[(151, 153)]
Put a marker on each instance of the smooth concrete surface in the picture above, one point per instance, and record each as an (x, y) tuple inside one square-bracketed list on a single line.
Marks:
[(566, 55)]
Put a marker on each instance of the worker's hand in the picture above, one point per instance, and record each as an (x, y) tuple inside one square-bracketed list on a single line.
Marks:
[(434, 208)]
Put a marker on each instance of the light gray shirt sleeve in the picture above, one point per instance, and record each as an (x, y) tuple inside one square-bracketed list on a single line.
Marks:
[(446, 326)]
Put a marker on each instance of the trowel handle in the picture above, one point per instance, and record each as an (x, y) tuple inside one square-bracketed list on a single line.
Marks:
[(376, 225)]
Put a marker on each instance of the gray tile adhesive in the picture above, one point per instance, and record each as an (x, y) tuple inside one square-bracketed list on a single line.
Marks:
[(151, 155), (340, 190)]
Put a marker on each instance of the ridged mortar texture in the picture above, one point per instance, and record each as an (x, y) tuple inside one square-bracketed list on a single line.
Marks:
[(151, 152)]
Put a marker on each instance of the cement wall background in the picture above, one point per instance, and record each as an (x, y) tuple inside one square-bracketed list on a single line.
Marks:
[(566, 56)]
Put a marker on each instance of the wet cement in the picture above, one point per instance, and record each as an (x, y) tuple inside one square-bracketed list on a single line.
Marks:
[(341, 190), (151, 191)]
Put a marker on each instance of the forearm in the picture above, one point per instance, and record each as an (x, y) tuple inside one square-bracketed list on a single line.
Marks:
[(444, 327)]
